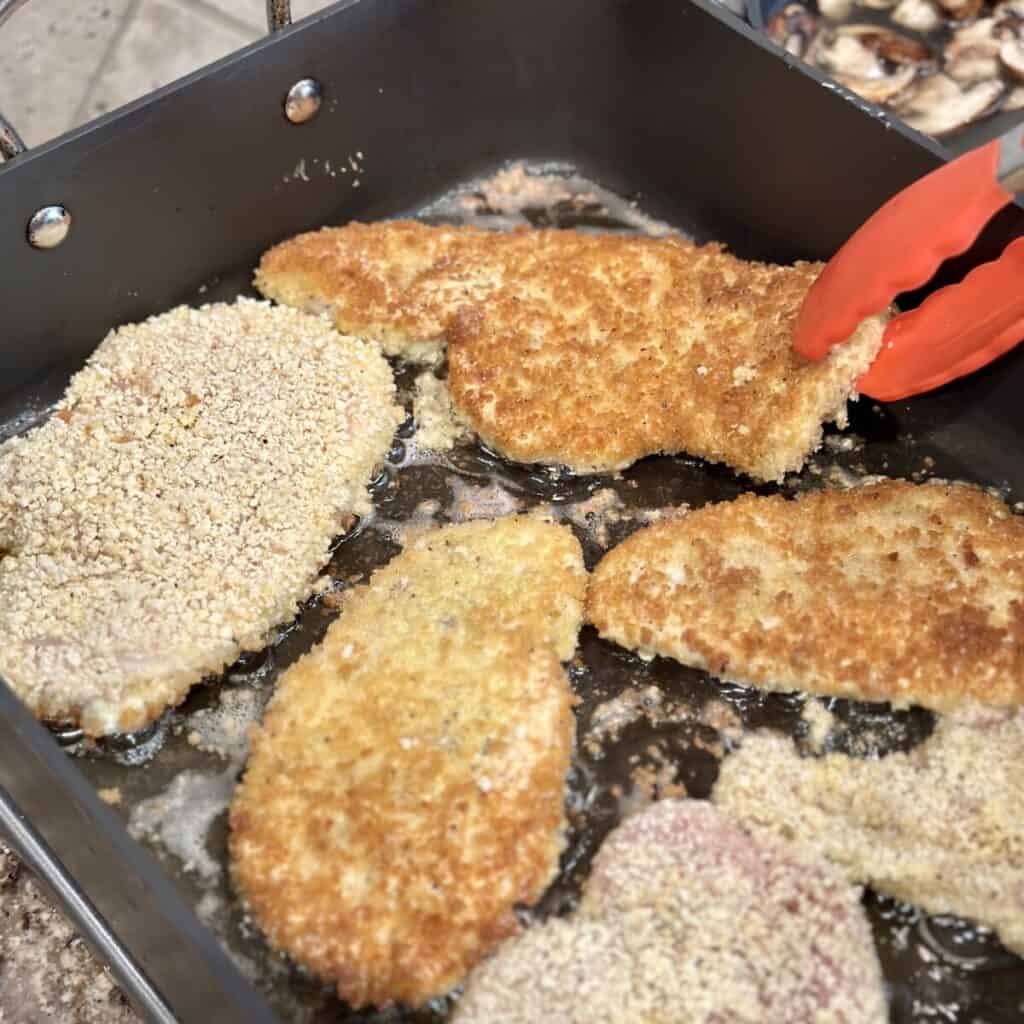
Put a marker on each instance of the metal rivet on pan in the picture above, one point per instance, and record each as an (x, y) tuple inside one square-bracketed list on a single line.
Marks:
[(303, 100), (49, 227)]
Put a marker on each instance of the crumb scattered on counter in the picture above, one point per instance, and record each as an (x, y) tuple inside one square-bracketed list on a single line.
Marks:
[(111, 796), (46, 971)]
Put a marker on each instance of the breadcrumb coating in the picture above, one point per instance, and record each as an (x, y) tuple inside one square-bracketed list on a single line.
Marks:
[(406, 789), (179, 504), (886, 592), (382, 281), (586, 350), (686, 919), (939, 826)]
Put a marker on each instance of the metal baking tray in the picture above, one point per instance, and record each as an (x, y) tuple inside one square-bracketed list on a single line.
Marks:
[(674, 104), (759, 13)]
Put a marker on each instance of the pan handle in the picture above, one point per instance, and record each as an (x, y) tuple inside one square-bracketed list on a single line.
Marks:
[(11, 143), (279, 16)]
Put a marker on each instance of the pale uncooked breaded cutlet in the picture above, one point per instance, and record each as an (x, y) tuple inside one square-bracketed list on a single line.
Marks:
[(940, 826), (686, 919), (180, 503), (885, 592), (405, 792), (587, 350)]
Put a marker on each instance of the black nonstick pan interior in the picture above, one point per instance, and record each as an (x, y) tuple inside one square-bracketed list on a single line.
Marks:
[(666, 102), (937, 968)]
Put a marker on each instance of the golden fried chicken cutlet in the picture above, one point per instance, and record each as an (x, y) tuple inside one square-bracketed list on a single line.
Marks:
[(886, 592), (405, 791), (939, 826), (376, 278), (180, 503), (589, 351), (687, 919)]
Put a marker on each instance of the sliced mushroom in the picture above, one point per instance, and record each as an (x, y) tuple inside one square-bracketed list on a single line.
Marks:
[(793, 28), (844, 54), (859, 68), (874, 62), (1009, 12), (961, 10), (889, 45), (1014, 99), (1009, 21), (918, 15), (880, 90), (972, 55), (835, 10), (938, 105), (1011, 53)]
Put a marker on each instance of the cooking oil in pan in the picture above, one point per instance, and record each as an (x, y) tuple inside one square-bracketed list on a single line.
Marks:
[(647, 729)]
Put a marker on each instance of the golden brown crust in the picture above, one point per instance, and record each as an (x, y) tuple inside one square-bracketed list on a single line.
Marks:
[(405, 791), (371, 277), (590, 351), (888, 592), (603, 349)]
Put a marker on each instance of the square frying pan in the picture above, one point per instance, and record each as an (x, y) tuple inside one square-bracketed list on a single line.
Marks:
[(674, 102)]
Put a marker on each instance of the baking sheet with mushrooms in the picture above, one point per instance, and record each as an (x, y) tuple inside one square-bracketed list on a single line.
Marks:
[(939, 65)]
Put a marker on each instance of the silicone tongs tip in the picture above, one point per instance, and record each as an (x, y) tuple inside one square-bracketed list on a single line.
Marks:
[(956, 330)]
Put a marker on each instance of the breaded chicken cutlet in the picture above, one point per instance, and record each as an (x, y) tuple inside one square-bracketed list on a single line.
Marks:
[(686, 919), (180, 503), (589, 351), (405, 792), (939, 826), (885, 592), (386, 281)]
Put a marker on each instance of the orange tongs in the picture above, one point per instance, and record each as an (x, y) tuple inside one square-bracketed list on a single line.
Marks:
[(956, 330)]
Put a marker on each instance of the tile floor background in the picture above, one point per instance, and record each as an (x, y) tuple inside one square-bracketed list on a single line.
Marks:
[(63, 62)]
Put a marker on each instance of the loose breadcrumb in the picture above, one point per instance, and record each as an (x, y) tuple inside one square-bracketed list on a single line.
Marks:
[(819, 722), (686, 919), (887, 592), (406, 790), (438, 426), (180, 503), (939, 826)]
